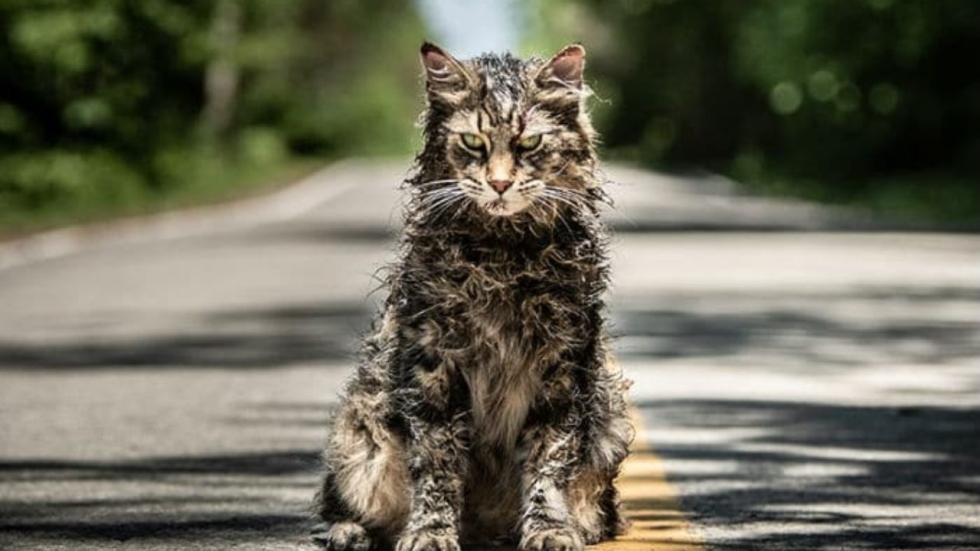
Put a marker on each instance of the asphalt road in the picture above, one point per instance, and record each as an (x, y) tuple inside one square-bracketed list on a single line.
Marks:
[(806, 383)]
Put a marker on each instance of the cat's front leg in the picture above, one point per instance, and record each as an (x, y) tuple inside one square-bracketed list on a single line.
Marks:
[(550, 445), (437, 458), (437, 463)]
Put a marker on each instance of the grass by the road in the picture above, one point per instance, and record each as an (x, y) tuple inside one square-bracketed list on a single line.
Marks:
[(933, 198), (219, 183)]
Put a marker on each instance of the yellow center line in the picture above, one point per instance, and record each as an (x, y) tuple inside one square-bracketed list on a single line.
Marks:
[(657, 522)]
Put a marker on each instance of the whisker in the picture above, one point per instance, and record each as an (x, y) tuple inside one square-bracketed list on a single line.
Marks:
[(554, 200), (558, 197), (446, 204), (570, 191), (470, 185), (573, 206), (443, 202), (543, 204), (435, 202), (438, 198), (436, 193), (579, 198), (437, 182)]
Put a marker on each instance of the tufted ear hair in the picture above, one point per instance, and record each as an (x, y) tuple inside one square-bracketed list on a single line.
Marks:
[(445, 77), (564, 69)]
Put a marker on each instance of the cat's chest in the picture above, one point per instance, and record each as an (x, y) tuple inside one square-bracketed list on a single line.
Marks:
[(502, 319), (508, 351), (498, 293), (502, 369), (511, 309), (501, 395)]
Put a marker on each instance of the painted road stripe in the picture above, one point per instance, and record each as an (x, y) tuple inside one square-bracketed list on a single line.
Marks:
[(651, 504)]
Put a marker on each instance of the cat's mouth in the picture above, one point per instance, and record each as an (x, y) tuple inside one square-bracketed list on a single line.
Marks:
[(500, 207)]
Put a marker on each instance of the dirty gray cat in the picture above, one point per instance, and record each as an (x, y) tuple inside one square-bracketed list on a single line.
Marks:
[(484, 408)]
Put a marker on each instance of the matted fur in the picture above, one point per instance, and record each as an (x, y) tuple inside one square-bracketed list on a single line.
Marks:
[(484, 408)]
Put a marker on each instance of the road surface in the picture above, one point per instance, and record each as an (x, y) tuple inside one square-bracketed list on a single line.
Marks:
[(166, 388)]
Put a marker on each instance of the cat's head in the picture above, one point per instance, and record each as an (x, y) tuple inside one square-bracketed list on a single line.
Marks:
[(506, 134)]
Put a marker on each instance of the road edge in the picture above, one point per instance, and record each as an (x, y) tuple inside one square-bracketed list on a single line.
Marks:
[(287, 202)]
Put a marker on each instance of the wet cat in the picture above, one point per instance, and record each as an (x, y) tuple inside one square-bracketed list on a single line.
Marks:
[(484, 407)]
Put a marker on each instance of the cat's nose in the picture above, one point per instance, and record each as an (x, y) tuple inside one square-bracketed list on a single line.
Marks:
[(500, 185)]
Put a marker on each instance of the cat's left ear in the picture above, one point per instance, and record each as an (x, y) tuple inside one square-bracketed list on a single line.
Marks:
[(445, 77), (564, 69)]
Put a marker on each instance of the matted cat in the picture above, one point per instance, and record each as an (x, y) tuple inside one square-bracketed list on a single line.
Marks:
[(484, 408)]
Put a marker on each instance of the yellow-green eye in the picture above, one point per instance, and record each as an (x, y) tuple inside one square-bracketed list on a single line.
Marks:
[(473, 141), (528, 143)]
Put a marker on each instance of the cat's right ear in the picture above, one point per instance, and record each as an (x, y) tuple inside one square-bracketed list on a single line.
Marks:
[(445, 77)]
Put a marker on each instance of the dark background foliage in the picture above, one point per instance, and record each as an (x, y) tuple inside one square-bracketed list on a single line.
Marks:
[(116, 106), (120, 102), (868, 101)]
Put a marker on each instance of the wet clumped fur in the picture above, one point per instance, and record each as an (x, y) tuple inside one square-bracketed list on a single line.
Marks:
[(484, 408)]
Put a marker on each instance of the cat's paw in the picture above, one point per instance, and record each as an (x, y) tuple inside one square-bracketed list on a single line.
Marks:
[(428, 540), (553, 539), (344, 536)]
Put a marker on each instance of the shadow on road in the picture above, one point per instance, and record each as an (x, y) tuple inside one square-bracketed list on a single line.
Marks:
[(173, 502), (236, 339), (782, 475), (787, 330), (794, 329)]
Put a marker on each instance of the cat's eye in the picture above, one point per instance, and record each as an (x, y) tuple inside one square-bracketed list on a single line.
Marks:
[(472, 141), (527, 143)]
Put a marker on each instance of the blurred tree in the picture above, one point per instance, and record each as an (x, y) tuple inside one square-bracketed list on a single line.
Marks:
[(873, 87), (222, 75), (113, 101), (835, 99)]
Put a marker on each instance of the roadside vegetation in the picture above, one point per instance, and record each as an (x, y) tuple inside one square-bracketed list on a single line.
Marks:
[(110, 108), (873, 103)]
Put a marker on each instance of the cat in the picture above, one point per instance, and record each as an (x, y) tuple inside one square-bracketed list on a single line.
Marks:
[(484, 408)]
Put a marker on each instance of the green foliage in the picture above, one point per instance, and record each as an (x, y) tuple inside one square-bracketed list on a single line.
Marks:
[(124, 102), (34, 180), (864, 99)]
